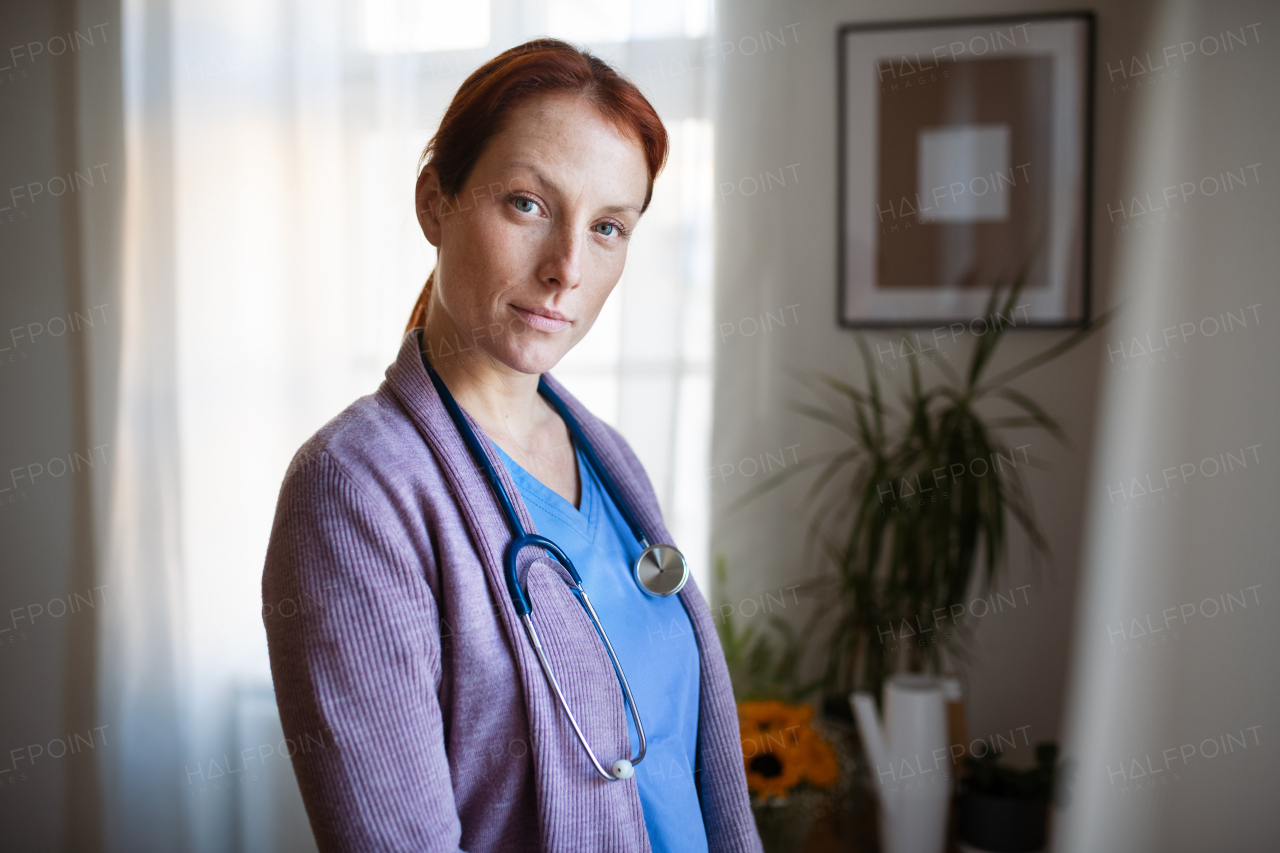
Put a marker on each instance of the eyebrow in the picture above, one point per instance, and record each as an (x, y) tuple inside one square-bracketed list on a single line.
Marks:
[(543, 179)]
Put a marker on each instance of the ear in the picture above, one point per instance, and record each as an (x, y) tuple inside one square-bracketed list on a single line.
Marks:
[(428, 198)]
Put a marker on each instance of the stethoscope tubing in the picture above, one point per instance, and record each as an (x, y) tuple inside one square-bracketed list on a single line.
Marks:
[(522, 540), (509, 570), (532, 632)]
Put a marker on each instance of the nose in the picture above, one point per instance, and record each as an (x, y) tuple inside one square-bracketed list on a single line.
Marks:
[(562, 260)]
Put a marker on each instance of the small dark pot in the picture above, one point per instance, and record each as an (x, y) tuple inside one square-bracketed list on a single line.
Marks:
[(1003, 824), (836, 706)]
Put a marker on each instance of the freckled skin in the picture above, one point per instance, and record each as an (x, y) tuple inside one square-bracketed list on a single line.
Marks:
[(542, 225)]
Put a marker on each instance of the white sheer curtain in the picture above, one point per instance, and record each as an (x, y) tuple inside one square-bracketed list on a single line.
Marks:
[(142, 644), (284, 260)]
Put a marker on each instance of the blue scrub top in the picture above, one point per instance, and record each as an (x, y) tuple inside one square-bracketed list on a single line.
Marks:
[(653, 639)]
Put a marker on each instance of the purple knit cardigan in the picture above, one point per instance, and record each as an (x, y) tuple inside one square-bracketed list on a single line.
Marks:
[(423, 719)]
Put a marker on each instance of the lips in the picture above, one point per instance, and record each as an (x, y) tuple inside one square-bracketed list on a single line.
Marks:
[(550, 321)]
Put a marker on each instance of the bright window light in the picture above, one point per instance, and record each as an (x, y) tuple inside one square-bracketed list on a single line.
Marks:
[(589, 21), (418, 26), (697, 18), (594, 21)]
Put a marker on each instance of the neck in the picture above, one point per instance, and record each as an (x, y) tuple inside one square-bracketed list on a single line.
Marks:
[(504, 401)]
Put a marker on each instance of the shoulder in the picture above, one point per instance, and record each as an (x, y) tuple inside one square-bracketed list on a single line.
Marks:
[(364, 483), (373, 445)]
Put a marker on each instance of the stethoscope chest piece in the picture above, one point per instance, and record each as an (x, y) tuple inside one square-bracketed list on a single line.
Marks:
[(661, 570)]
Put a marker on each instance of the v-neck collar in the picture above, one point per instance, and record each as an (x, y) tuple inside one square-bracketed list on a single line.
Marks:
[(581, 519)]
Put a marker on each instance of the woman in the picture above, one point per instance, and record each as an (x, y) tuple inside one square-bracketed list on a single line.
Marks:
[(432, 720)]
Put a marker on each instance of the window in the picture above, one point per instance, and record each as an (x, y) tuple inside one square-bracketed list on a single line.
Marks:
[(298, 257)]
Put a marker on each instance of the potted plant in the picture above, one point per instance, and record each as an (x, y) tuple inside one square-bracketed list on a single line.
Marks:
[(790, 766), (905, 539), (1003, 810)]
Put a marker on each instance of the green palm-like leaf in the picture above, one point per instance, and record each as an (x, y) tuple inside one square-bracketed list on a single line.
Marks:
[(901, 530)]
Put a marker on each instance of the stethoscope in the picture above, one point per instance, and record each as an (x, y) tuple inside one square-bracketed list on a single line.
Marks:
[(660, 570)]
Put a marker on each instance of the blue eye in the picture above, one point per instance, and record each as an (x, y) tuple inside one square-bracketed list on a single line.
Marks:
[(523, 204), (609, 225)]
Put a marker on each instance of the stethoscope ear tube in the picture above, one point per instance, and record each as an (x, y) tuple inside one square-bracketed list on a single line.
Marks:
[(624, 767), (659, 556), (519, 543), (518, 599)]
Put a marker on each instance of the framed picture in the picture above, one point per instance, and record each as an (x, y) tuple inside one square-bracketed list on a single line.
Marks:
[(964, 164)]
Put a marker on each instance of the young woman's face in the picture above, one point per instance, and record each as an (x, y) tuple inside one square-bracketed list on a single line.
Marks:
[(535, 242)]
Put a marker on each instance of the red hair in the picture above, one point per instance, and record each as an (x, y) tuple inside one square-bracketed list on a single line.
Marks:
[(538, 67)]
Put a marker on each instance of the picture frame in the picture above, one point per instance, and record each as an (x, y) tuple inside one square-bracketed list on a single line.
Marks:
[(964, 162)]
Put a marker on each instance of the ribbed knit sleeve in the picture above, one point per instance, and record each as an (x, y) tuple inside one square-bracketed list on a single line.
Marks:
[(356, 666)]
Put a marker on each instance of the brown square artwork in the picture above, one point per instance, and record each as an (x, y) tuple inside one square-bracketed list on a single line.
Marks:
[(963, 178)]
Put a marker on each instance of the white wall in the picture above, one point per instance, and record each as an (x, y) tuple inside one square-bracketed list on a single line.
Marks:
[(778, 249), (776, 110)]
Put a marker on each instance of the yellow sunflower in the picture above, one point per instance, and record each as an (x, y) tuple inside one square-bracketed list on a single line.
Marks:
[(780, 749)]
